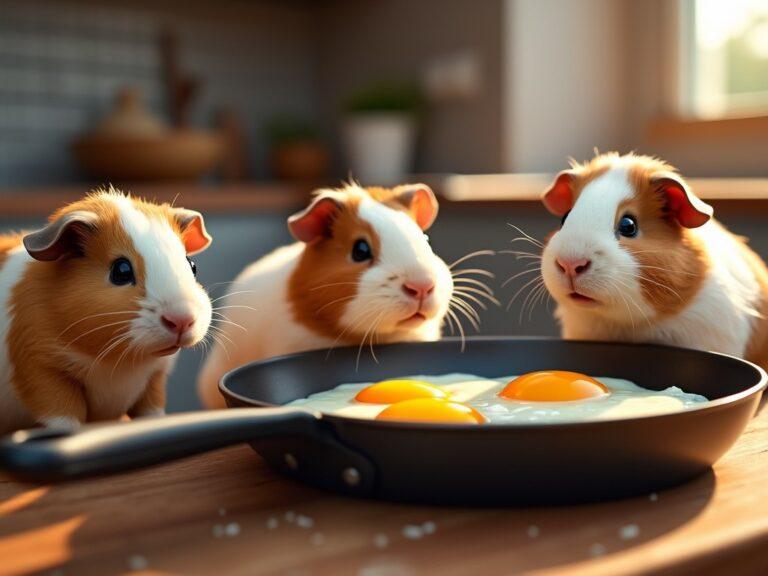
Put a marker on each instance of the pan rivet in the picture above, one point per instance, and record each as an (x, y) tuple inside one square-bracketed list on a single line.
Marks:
[(351, 476), (291, 462)]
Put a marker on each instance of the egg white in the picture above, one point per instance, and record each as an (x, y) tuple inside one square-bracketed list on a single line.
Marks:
[(626, 400)]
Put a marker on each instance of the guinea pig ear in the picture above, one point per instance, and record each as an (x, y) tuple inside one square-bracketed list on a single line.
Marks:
[(316, 219), (420, 201), (61, 237), (195, 236), (687, 208), (558, 198)]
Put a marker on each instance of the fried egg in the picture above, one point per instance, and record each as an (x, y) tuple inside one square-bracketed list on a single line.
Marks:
[(535, 398)]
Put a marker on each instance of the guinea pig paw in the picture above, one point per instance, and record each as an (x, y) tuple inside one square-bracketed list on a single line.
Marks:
[(61, 422)]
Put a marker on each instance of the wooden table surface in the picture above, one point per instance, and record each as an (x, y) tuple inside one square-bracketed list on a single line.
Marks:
[(227, 513)]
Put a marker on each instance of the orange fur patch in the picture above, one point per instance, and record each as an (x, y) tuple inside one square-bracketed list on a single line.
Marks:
[(325, 278), (672, 261)]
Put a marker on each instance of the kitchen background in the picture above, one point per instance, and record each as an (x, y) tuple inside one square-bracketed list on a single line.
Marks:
[(243, 106)]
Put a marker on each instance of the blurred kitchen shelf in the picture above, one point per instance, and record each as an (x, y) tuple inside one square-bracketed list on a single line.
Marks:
[(528, 187), (256, 197), (246, 197)]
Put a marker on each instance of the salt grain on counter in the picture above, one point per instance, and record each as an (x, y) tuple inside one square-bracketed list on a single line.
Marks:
[(317, 539), (429, 527), (413, 532), (597, 549), (653, 497), (629, 531), (290, 516), (304, 521), (533, 531), (272, 523), (232, 529), (137, 562), (381, 541)]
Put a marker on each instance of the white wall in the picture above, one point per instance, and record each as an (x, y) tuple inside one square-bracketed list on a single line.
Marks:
[(564, 90)]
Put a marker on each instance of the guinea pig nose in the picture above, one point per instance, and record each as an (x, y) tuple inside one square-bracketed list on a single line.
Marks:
[(573, 266), (418, 290), (178, 323)]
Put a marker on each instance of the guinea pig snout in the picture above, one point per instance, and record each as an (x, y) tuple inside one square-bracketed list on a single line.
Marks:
[(419, 288), (178, 322), (572, 267)]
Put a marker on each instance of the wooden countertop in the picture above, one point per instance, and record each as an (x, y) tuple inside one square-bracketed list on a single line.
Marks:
[(227, 513)]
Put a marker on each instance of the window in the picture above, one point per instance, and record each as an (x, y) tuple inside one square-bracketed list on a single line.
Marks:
[(725, 57)]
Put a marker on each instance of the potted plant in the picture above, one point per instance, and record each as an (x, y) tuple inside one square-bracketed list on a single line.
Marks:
[(379, 132), (297, 151)]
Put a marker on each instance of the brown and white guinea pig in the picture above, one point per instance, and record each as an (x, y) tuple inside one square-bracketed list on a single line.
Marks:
[(362, 270), (96, 305), (639, 258)]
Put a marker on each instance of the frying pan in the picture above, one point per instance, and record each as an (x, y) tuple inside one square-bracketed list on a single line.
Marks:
[(434, 463)]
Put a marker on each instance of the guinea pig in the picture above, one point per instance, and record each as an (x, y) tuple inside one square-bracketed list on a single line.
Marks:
[(95, 307), (639, 258), (361, 272)]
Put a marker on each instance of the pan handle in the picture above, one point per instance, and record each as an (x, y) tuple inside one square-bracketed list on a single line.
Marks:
[(51, 454)]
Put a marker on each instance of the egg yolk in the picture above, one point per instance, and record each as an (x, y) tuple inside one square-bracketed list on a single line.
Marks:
[(391, 391), (432, 410), (553, 386)]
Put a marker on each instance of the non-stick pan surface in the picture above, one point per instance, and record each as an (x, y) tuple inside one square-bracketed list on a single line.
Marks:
[(427, 463)]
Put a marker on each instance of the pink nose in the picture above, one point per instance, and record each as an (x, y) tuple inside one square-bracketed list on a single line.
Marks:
[(572, 267), (178, 323), (418, 289)]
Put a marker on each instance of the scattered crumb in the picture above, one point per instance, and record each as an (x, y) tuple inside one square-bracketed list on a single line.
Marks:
[(597, 549), (222, 511), (218, 530), (290, 516), (273, 523), (232, 529), (533, 531), (317, 539), (653, 496), (304, 521), (386, 568), (629, 531), (412, 532), (429, 527), (381, 541), (137, 562)]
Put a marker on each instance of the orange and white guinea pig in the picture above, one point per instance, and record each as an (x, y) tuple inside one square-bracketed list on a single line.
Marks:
[(639, 258), (362, 269), (96, 305)]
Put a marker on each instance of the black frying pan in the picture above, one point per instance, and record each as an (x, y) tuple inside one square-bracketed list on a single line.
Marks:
[(448, 464)]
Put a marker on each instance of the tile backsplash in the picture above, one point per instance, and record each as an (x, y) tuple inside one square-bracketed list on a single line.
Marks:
[(61, 63), (60, 66)]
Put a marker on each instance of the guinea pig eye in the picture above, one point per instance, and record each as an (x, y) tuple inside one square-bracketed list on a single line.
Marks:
[(627, 226), (562, 221), (361, 251), (193, 266), (121, 272)]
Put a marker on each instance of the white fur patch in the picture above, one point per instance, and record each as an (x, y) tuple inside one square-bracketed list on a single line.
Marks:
[(13, 414), (168, 273)]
